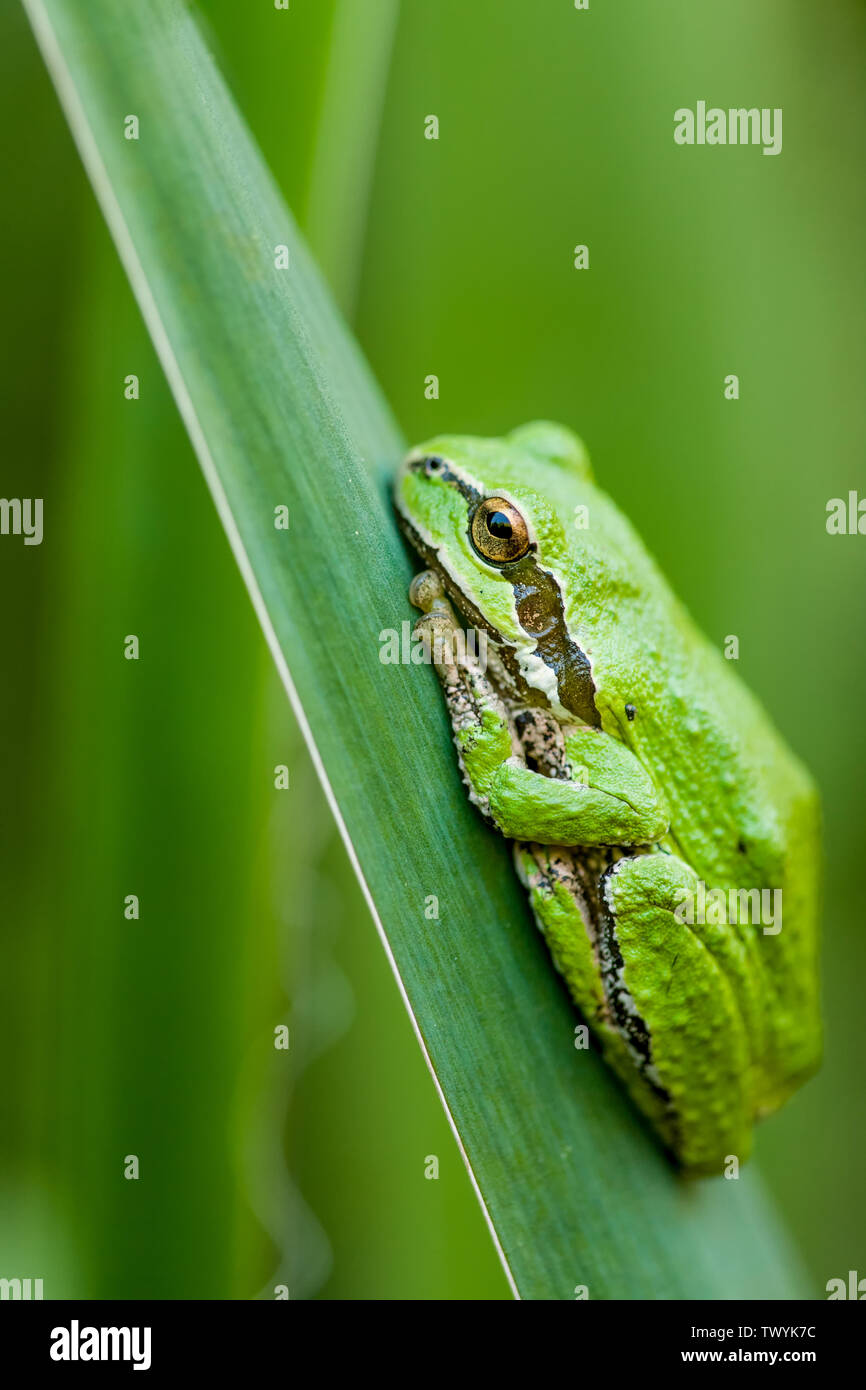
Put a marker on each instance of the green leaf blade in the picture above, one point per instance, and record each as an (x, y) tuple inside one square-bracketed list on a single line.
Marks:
[(283, 411)]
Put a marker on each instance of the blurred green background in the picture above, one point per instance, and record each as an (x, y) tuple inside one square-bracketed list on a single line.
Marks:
[(454, 257)]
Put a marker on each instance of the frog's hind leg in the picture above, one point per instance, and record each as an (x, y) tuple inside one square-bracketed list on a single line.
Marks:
[(565, 892), (684, 984), (658, 999)]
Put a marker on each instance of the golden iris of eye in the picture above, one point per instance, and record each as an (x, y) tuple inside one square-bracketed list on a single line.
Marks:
[(498, 531)]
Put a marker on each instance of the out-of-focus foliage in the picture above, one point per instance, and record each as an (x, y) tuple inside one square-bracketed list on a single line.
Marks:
[(555, 129)]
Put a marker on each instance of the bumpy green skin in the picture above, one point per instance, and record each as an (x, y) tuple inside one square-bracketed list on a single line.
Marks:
[(698, 778)]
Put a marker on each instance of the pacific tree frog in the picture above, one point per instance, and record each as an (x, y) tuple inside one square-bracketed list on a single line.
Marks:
[(616, 747)]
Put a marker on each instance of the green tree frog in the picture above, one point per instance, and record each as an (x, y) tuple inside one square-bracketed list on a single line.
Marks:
[(653, 807)]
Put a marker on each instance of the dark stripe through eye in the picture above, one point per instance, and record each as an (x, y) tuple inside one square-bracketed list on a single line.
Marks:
[(500, 536)]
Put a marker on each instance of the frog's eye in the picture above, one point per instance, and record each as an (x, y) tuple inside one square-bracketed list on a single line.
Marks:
[(498, 531)]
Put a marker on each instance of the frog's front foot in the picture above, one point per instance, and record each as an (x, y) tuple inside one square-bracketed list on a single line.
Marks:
[(437, 625), (436, 632), (427, 593)]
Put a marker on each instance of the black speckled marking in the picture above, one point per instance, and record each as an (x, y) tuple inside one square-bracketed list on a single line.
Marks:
[(542, 742), (627, 1020)]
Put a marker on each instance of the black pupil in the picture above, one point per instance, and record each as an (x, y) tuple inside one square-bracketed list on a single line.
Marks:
[(499, 526)]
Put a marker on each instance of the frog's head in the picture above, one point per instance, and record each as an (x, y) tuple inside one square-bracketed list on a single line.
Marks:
[(488, 516)]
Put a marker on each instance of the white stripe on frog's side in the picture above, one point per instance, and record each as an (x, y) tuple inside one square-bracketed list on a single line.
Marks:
[(533, 668)]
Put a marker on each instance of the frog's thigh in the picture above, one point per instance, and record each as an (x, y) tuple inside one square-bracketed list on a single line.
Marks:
[(657, 967), (565, 918), (564, 887)]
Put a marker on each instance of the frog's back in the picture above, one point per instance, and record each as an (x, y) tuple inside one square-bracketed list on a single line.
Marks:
[(744, 812)]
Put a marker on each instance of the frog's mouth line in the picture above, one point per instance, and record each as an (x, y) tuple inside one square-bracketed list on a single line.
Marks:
[(540, 611), (518, 688)]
